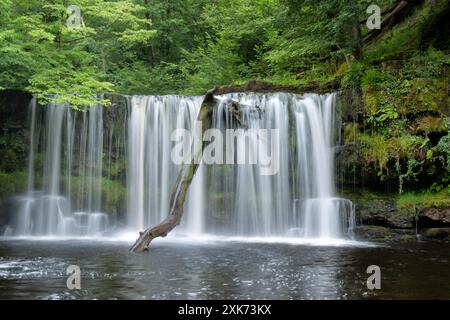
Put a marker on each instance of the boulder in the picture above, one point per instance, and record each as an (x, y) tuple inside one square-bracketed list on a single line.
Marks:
[(378, 233), (436, 234), (385, 213), (436, 214)]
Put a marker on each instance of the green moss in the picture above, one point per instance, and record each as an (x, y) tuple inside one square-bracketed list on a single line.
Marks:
[(419, 95), (401, 39), (406, 96), (379, 150), (12, 183), (113, 195), (13, 149), (353, 75), (412, 203), (352, 133), (429, 124)]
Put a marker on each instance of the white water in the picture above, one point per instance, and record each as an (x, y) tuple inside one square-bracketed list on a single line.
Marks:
[(233, 201), (318, 211), (151, 172), (304, 205), (46, 209)]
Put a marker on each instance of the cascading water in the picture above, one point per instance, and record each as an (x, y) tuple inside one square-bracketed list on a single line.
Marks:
[(318, 211), (151, 172), (47, 209), (69, 150), (298, 201), (254, 204)]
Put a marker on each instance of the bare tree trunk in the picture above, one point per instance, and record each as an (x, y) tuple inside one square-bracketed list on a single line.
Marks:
[(356, 34), (357, 43), (391, 17), (149, 16), (182, 184)]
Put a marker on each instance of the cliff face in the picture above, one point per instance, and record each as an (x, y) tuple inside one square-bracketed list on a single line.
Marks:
[(14, 135), (373, 162), (394, 162)]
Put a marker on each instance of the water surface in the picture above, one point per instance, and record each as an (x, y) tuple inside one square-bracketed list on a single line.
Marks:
[(184, 269)]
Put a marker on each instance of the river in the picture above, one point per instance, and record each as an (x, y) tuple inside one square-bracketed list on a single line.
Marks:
[(182, 268)]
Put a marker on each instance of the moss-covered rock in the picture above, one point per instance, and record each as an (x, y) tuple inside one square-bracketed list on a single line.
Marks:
[(436, 234), (378, 233), (385, 213), (14, 133), (12, 183)]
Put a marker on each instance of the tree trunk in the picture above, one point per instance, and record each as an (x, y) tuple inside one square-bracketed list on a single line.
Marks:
[(356, 34), (391, 17), (182, 184), (357, 44), (149, 16)]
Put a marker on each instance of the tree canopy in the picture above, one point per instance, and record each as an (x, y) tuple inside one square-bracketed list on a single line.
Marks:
[(173, 46)]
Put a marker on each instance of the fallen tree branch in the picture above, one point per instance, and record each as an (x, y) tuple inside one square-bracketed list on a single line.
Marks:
[(182, 184), (391, 17)]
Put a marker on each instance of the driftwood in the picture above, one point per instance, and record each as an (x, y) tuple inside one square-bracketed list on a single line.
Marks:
[(182, 184)]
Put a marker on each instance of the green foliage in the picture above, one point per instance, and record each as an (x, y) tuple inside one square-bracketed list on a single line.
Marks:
[(39, 52), (401, 40), (216, 64), (403, 154), (430, 124), (12, 183), (383, 117), (352, 77), (376, 78), (412, 203), (175, 46), (441, 155), (13, 150), (113, 195), (138, 78), (428, 64)]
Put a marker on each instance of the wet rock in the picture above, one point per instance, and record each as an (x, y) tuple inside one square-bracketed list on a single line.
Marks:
[(378, 233), (6, 214), (436, 214), (384, 213), (371, 232), (436, 234)]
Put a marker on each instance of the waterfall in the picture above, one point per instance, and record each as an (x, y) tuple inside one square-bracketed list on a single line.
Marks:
[(257, 205), (300, 200), (320, 213), (71, 153), (150, 171), (47, 208)]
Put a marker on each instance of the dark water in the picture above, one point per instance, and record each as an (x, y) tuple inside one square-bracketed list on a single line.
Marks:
[(221, 270)]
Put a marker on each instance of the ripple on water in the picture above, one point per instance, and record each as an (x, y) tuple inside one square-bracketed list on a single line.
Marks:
[(223, 270)]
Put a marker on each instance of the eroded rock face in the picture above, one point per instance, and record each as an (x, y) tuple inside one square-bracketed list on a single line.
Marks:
[(384, 213), (382, 221), (7, 210), (378, 233), (436, 234), (436, 214)]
